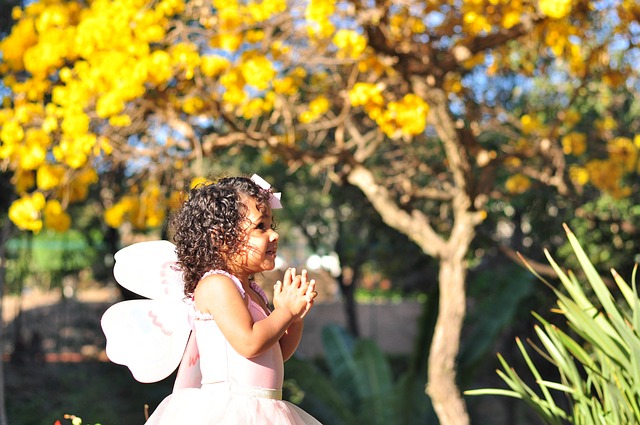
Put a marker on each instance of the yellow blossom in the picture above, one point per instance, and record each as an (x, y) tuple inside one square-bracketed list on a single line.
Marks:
[(622, 151), (233, 82), (285, 86), (529, 124), (258, 71), (11, 134), (185, 56), (606, 124), (26, 212), (171, 7), (122, 120), (254, 36), (55, 217), (317, 15), (256, 107), (264, 10), (408, 116), (375, 65), (50, 124), (574, 144), (24, 112), (579, 175), (606, 175), (75, 123), (148, 26), (23, 181), (73, 95), (476, 23), (299, 73), (53, 47), (556, 9), (78, 187), (350, 43), (278, 49), (151, 213), (175, 200), (517, 184), (317, 107), (114, 216), (22, 37), (49, 176), (512, 162), (33, 151), (160, 62), (267, 157), (229, 41), (234, 96), (571, 117), (102, 145), (109, 104), (74, 151), (193, 105), (452, 83), (614, 78), (367, 95), (214, 65), (511, 19), (197, 181)]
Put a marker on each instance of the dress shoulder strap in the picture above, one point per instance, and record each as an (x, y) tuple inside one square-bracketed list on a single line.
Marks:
[(230, 276), (260, 292)]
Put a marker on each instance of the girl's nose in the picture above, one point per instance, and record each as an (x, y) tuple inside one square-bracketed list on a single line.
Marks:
[(274, 236)]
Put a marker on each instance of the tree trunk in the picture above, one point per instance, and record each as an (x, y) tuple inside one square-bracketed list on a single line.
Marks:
[(4, 237), (442, 386), (347, 289)]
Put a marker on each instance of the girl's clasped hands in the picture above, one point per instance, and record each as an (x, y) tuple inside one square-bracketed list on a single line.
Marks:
[(295, 293)]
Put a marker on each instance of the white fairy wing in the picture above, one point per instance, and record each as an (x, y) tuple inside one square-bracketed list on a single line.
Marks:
[(147, 268), (189, 374), (147, 336)]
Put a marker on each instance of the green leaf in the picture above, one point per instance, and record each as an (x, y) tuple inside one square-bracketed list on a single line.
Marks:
[(342, 365), (321, 397), (374, 383), (597, 359)]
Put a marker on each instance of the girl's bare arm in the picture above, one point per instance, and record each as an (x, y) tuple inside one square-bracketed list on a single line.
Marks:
[(219, 296)]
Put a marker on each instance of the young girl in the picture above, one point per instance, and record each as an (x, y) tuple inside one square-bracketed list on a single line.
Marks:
[(224, 235)]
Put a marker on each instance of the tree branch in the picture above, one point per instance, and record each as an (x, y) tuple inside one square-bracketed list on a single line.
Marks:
[(415, 224)]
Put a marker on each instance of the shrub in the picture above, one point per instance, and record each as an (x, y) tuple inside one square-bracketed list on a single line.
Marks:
[(597, 357)]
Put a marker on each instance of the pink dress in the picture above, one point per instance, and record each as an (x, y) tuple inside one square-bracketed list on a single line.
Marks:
[(234, 390)]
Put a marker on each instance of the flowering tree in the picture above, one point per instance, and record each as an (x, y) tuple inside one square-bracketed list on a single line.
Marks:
[(431, 108)]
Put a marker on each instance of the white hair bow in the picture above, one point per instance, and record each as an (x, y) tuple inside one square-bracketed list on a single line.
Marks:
[(274, 199)]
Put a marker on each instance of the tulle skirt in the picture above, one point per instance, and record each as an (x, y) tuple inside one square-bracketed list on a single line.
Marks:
[(220, 405)]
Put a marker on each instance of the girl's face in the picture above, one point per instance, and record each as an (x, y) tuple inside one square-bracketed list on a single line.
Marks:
[(261, 245)]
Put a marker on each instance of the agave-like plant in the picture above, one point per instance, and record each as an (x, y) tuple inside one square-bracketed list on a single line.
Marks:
[(597, 357)]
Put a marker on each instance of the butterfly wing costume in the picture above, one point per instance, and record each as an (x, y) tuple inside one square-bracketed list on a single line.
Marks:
[(151, 336)]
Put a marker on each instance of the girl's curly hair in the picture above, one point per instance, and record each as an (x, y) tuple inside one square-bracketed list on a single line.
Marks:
[(209, 226)]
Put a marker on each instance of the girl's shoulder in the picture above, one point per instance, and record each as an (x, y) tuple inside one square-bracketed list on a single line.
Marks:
[(254, 285), (218, 273)]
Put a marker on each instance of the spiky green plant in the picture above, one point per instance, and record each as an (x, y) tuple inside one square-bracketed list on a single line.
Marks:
[(597, 357)]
